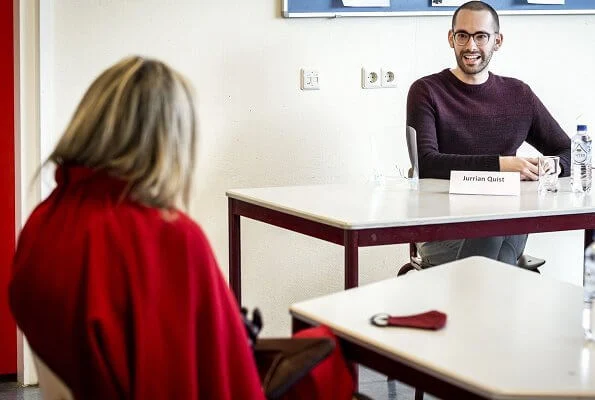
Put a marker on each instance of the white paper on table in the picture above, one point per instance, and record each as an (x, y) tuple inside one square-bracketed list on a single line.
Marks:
[(448, 3), (366, 3), (545, 1)]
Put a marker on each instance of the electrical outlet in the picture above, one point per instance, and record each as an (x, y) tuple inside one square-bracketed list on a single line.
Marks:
[(309, 79), (388, 78), (370, 78)]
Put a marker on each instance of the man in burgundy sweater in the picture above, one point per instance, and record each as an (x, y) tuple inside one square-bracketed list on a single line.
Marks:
[(467, 118)]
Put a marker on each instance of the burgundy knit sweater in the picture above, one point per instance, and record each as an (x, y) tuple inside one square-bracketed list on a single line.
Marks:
[(467, 127)]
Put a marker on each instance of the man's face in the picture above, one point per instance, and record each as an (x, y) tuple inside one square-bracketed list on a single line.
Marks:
[(473, 58)]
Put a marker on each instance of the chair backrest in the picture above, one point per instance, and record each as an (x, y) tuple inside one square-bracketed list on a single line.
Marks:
[(411, 136), (52, 387)]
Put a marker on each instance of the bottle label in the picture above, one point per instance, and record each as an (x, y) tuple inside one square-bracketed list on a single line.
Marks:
[(589, 285), (581, 153)]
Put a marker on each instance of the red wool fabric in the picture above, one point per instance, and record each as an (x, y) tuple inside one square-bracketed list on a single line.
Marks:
[(123, 301)]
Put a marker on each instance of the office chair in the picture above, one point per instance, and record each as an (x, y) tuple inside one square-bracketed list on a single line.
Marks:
[(525, 261), (281, 363)]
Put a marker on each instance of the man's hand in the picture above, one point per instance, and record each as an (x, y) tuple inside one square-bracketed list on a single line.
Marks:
[(525, 165)]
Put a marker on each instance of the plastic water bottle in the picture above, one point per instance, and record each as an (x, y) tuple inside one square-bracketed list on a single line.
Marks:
[(589, 293), (580, 173)]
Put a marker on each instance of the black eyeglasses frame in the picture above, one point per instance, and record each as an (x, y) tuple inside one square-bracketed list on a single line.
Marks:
[(473, 35)]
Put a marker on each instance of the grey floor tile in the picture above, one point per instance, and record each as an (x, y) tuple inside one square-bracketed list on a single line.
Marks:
[(369, 375), (371, 383), (14, 391), (376, 386)]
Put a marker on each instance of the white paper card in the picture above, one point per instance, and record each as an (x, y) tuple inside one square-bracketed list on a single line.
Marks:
[(366, 3), (545, 1), (485, 182), (448, 3), (465, 204)]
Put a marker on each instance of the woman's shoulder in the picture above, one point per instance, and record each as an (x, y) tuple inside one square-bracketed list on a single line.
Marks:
[(171, 226), (174, 221)]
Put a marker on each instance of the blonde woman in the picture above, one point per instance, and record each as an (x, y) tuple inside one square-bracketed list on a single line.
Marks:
[(116, 289)]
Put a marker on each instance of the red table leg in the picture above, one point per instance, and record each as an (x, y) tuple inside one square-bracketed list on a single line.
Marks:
[(350, 243), (235, 266)]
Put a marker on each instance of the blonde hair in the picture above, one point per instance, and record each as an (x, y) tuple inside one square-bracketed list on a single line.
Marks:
[(136, 121)]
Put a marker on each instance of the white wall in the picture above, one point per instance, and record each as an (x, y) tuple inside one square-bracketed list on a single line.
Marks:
[(259, 129)]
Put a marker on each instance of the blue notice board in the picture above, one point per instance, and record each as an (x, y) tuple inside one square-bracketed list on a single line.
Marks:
[(335, 8)]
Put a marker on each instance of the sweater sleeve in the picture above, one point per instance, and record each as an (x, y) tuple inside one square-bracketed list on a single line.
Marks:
[(422, 112), (547, 136)]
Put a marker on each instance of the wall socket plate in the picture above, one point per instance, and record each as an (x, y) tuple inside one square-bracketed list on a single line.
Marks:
[(388, 78), (309, 79), (371, 78)]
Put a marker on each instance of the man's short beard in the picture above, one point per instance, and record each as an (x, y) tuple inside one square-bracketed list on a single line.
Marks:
[(485, 61)]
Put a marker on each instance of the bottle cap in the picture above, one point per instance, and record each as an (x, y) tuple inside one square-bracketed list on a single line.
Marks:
[(581, 128)]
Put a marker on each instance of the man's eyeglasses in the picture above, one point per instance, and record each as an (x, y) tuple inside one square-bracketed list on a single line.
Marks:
[(480, 38)]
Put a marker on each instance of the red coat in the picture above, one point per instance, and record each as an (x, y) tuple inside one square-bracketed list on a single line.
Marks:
[(122, 301)]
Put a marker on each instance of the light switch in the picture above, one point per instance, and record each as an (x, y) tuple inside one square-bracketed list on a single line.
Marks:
[(310, 79)]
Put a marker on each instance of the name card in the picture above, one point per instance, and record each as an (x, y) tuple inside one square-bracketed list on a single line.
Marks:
[(485, 182)]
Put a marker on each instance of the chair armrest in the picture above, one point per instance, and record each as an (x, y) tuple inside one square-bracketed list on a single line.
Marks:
[(529, 262), (283, 362)]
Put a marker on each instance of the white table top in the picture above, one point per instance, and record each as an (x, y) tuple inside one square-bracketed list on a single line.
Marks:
[(510, 333), (357, 206)]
